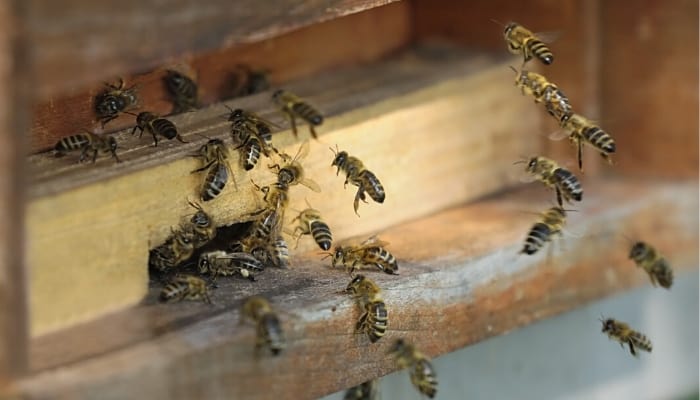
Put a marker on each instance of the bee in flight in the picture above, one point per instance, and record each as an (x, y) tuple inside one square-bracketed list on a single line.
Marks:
[(221, 263), (421, 370), (156, 126), (252, 134), (310, 223), (621, 332), (202, 225), (374, 318), (550, 224), (565, 184), (185, 287), (215, 159), (183, 91), (275, 195), (653, 263), (555, 101), (115, 99), (365, 391), (291, 172), (369, 252), (269, 328), (358, 175), (522, 41), (87, 142), (177, 249), (580, 131), (245, 81), (294, 107)]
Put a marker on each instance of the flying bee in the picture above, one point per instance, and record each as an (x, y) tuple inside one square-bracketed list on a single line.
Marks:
[(113, 100), (215, 159), (221, 263), (294, 107), (555, 101), (269, 328), (291, 172), (374, 319), (245, 81), (653, 263), (621, 332), (87, 142), (565, 184), (183, 91), (310, 223), (358, 175), (421, 370), (369, 252), (252, 134), (522, 41), (185, 287), (550, 224), (178, 248), (202, 226), (581, 130), (364, 391), (275, 195), (156, 126)]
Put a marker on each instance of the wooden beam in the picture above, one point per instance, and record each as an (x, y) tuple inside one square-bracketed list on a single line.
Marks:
[(79, 42), (298, 54), (462, 281)]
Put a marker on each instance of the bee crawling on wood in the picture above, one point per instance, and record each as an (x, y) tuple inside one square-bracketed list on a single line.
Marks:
[(222, 263), (87, 142), (369, 252), (185, 287), (375, 318), (177, 249), (156, 126), (359, 176), (183, 91), (214, 156), (421, 370), (294, 107), (252, 134), (269, 328), (622, 333), (202, 226), (113, 100), (653, 263)]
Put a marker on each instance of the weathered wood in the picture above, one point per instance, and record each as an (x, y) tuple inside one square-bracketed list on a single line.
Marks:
[(295, 55), (80, 42), (461, 281), (14, 119), (457, 147)]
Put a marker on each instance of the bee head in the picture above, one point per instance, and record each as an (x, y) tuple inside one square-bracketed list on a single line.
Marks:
[(236, 114), (509, 28), (203, 264), (340, 158), (112, 143), (277, 94), (355, 283), (608, 324), (638, 250)]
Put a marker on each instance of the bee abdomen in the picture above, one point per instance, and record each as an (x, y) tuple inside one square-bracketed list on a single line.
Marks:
[(372, 186), (640, 341), (251, 152), (281, 253), (165, 128), (426, 378), (308, 113), (73, 142), (215, 181), (383, 259), (377, 318), (174, 291), (569, 184), (541, 51), (536, 239), (599, 139), (322, 234), (663, 273), (272, 332)]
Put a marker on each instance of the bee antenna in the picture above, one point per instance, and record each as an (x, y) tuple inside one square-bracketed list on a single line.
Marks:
[(519, 162), (335, 153), (327, 254), (130, 113), (514, 70), (497, 22), (307, 202)]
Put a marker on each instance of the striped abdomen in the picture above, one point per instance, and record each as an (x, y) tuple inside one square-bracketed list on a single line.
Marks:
[(264, 132), (280, 253), (599, 139), (380, 257), (308, 113), (536, 239), (270, 332), (423, 377), (372, 186), (568, 184), (74, 142), (637, 340), (556, 103), (215, 181), (269, 221), (250, 153), (321, 233), (174, 291), (535, 47), (164, 127), (376, 321)]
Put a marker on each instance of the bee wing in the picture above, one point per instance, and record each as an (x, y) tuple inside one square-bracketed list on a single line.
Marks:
[(266, 121), (526, 177), (548, 37), (559, 135), (311, 184), (373, 241), (303, 151)]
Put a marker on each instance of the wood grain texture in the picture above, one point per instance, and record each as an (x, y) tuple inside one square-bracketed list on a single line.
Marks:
[(650, 81), (295, 55), (80, 42), (14, 118), (461, 282), (431, 124)]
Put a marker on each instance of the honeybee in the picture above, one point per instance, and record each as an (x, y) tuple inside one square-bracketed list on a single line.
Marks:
[(364, 391), (185, 287), (565, 184), (214, 157), (269, 328), (369, 252), (521, 41), (421, 370), (310, 223), (267, 224), (183, 91), (246, 81), (113, 100), (275, 195), (581, 130), (87, 142), (621, 332), (221, 263), (178, 248), (294, 107), (253, 134), (555, 101), (653, 263), (358, 175), (156, 126), (291, 172), (203, 226), (549, 225), (268, 250), (375, 318)]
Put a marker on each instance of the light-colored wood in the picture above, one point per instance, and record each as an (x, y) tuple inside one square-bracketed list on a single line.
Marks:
[(436, 127), (13, 120), (298, 54), (462, 281)]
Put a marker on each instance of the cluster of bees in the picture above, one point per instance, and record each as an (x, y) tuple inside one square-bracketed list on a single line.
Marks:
[(264, 244)]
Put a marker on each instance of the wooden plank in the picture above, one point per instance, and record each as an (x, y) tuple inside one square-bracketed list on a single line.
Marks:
[(461, 282), (116, 211), (649, 86), (79, 42), (295, 55), (14, 83)]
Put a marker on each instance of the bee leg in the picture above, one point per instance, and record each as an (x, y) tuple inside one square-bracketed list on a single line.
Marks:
[(356, 203), (105, 120), (94, 155), (204, 167), (359, 326), (134, 130), (313, 131), (579, 144), (180, 139), (631, 346), (559, 199), (292, 123), (155, 138), (114, 155)]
